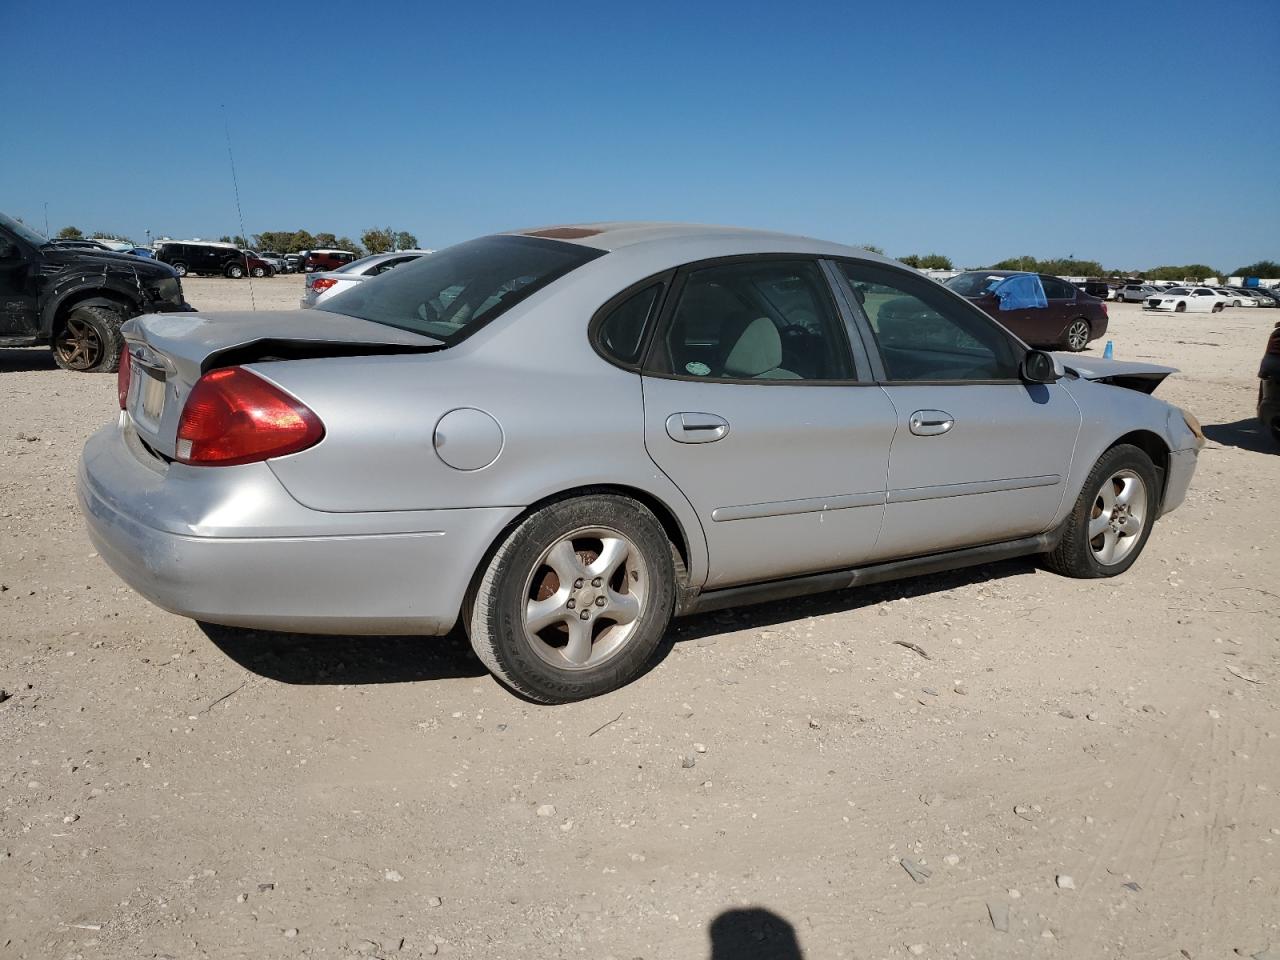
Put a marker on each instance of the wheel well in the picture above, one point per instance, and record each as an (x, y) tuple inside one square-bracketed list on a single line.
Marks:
[(1154, 447), (675, 533), (101, 297)]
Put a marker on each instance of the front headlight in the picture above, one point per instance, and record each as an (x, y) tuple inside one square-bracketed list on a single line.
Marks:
[(169, 290)]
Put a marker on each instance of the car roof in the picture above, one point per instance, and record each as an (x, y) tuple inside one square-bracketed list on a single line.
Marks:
[(698, 240)]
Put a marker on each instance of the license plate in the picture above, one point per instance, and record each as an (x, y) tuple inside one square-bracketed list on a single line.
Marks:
[(150, 395)]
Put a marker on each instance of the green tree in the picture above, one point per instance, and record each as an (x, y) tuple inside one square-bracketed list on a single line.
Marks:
[(70, 233), (1192, 271), (928, 261), (1018, 263), (346, 243), (378, 239), (1267, 269), (406, 241)]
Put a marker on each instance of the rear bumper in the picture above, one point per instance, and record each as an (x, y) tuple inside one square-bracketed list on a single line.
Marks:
[(230, 546)]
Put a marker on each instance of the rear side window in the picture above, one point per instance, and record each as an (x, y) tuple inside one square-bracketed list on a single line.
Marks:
[(451, 294), (755, 321), (1056, 289), (620, 335)]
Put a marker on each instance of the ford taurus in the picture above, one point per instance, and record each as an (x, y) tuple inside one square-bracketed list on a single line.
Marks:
[(561, 438)]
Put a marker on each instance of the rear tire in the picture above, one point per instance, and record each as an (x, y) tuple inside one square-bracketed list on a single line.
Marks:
[(1077, 335), (575, 600), (180, 269), (1217, 307), (1118, 506), (89, 340)]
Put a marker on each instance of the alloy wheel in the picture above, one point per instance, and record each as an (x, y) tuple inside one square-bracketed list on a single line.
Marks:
[(1118, 517), (585, 598), (79, 346), (1078, 335)]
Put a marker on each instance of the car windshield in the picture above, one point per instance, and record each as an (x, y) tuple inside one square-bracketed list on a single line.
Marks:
[(1177, 292), (450, 294), (974, 284), (23, 231)]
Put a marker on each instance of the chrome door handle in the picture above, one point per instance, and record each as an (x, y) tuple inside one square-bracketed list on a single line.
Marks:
[(696, 427), (931, 423)]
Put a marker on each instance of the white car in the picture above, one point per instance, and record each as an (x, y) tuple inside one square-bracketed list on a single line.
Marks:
[(322, 286), (1186, 300), (1234, 298)]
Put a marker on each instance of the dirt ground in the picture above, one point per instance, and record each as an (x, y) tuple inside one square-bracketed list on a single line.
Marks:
[(171, 792)]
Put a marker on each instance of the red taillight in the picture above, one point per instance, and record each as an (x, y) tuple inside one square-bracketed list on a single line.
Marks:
[(123, 373), (1104, 309), (234, 416), (320, 284)]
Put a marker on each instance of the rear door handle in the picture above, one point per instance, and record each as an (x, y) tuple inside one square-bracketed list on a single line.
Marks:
[(931, 423), (696, 427)]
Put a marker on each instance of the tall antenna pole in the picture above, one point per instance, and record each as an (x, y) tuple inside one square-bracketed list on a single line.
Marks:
[(46, 218), (226, 126)]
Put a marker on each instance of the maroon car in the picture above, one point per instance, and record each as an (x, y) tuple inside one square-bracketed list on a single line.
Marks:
[(1070, 318), (317, 261)]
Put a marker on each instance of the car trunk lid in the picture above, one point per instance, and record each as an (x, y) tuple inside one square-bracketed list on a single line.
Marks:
[(168, 353)]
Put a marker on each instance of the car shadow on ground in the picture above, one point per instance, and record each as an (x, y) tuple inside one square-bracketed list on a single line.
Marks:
[(26, 359), (753, 933), (1247, 434), (760, 616), (313, 659), (318, 660)]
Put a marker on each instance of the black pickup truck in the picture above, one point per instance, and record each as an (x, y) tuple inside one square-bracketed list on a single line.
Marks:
[(75, 300)]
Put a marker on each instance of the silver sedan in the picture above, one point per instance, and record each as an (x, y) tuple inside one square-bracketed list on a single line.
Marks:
[(561, 438), (322, 286)]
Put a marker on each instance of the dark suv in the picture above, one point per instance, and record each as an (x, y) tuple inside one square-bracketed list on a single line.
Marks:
[(1070, 317), (208, 258), (76, 299)]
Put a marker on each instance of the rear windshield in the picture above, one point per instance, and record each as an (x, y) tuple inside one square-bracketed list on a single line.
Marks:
[(451, 294)]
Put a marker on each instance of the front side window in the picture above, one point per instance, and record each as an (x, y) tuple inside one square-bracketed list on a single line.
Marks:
[(450, 294), (924, 334), (755, 320)]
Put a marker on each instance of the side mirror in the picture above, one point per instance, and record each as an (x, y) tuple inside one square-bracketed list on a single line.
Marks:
[(1040, 367), (8, 249)]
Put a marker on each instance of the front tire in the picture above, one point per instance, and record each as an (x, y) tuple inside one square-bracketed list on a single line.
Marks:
[(259, 272), (1217, 307), (1180, 308), (1077, 336), (576, 599), (89, 340), (180, 269), (235, 271), (1112, 519)]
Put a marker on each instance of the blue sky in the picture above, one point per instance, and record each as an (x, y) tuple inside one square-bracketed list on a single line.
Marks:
[(1134, 133)]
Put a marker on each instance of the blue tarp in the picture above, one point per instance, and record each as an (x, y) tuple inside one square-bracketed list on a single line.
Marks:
[(1020, 292)]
